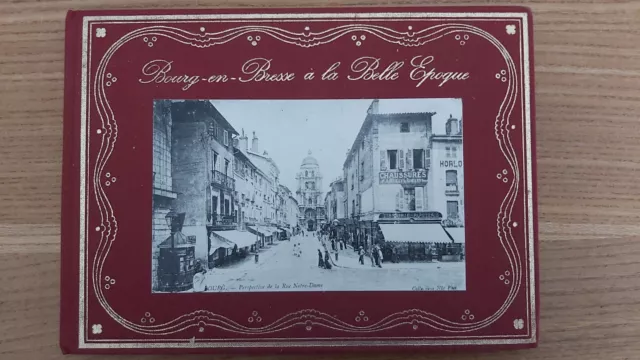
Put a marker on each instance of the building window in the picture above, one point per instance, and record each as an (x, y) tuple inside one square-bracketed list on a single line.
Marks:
[(226, 138), (418, 159), (353, 207), (393, 159), (306, 173), (215, 161), (452, 209), (410, 199), (454, 152), (226, 167), (352, 180), (452, 181), (448, 151), (362, 171), (404, 127)]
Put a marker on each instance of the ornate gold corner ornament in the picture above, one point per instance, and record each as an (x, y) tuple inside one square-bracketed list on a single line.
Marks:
[(309, 318)]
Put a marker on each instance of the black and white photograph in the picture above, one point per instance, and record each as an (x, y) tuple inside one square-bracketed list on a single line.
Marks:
[(308, 195)]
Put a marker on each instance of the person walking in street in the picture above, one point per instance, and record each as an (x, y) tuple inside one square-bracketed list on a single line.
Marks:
[(320, 261), (380, 257), (361, 255), (327, 260), (376, 255), (371, 256)]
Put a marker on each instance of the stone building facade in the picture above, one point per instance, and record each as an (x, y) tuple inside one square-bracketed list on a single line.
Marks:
[(397, 170), (163, 194), (335, 201), (202, 154), (447, 175), (309, 194)]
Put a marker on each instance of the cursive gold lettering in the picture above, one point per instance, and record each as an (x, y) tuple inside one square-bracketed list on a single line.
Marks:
[(420, 73), (157, 71), (366, 68), (258, 71)]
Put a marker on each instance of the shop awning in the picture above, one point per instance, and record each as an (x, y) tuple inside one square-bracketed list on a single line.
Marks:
[(259, 230), (217, 243), (240, 238), (457, 234), (415, 233), (274, 230)]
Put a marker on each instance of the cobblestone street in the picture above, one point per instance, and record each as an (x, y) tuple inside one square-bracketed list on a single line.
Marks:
[(278, 269)]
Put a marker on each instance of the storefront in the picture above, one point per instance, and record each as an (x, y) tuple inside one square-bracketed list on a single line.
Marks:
[(410, 236), (412, 241), (263, 234)]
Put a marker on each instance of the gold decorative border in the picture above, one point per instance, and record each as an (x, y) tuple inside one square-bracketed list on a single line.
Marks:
[(309, 317)]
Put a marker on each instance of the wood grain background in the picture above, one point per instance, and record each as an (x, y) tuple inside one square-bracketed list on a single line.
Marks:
[(587, 62)]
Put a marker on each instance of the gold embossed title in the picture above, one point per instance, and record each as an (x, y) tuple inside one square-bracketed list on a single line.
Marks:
[(256, 70)]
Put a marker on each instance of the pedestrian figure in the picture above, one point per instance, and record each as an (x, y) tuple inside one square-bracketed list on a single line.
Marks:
[(256, 257), (336, 256), (370, 255), (199, 278), (320, 261), (380, 258), (327, 263), (361, 255), (376, 256), (333, 245)]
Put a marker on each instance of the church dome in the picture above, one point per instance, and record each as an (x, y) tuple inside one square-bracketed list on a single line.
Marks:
[(309, 160)]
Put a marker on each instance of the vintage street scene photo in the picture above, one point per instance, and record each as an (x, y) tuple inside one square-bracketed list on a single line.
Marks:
[(308, 195)]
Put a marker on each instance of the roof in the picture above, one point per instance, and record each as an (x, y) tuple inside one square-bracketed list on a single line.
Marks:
[(415, 233), (368, 121), (193, 110), (180, 241), (261, 161), (309, 160)]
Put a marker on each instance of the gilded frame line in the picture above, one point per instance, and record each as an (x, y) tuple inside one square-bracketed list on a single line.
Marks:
[(524, 98)]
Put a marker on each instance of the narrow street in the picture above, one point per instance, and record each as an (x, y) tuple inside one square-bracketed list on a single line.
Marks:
[(279, 269)]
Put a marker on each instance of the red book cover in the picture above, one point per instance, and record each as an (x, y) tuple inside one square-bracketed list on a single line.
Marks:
[(299, 180)]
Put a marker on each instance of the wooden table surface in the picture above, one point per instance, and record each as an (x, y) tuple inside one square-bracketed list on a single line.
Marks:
[(587, 62)]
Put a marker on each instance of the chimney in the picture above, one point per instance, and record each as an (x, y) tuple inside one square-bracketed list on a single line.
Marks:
[(374, 108), (452, 126), (243, 142), (265, 153), (254, 143)]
